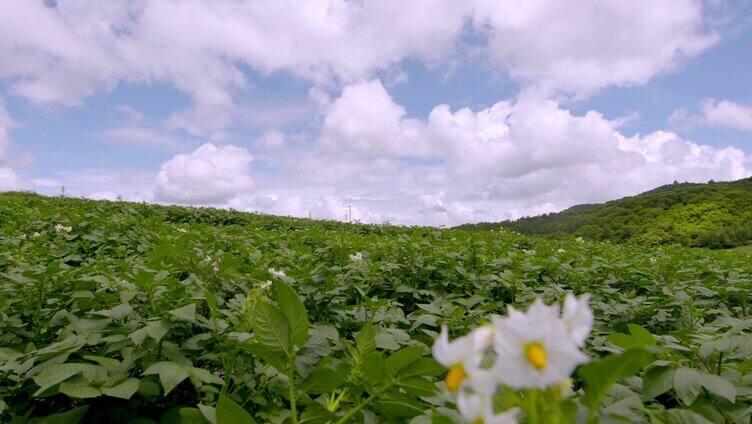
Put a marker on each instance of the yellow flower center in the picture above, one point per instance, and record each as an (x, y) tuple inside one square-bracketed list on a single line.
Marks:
[(479, 420), (455, 377), (535, 355)]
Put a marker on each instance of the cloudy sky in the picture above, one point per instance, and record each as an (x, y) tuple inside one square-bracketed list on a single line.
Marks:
[(415, 112)]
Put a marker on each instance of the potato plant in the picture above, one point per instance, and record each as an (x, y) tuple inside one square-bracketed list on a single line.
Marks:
[(133, 313)]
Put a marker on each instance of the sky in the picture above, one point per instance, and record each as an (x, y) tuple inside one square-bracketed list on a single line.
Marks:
[(427, 112)]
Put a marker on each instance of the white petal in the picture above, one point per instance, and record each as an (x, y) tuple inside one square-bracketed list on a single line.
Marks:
[(506, 417), (473, 406), (578, 318)]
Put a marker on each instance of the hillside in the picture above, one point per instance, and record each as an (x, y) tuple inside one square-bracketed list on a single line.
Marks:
[(715, 215)]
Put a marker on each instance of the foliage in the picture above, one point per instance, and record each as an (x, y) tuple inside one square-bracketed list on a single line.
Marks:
[(144, 314), (714, 215)]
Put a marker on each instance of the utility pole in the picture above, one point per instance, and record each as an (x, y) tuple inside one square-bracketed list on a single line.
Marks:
[(62, 191)]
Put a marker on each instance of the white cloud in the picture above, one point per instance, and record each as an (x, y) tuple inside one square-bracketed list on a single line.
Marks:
[(518, 157), (366, 120), (6, 125), (209, 174), (727, 114), (9, 180), (140, 136), (581, 47), (273, 139), (64, 53), (305, 203)]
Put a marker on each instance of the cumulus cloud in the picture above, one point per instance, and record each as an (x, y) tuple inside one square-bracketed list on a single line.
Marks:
[(69, 50), (520, 156), (714, 113), (208, 175), (273, 139), (9, 180), (726, 113), (581, 47), (198, 46), (365, 119), (6, 125)]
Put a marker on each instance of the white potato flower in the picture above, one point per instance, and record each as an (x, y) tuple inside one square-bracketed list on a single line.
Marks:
[(463, 357), (534, 349), (182, 230), (60, 228), (277, 273), (478, 409), (357, 257), (577, 317)]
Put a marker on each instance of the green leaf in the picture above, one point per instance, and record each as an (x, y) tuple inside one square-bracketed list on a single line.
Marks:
[(229, 412), (185, 313), (321, 380), (641, 334), (78, 388), (402, 359), (73, 416), (365, 339), (154, 329), (61, 372), (270, 327), (170, 374), (656, 381), (637, 337), (192, 416), (316, 414), (681, 416), (209, 412), (123, 390), (629, 408), (294, 310), (418, 386), (427, 367), (397, 405), (688, 384), (719, 386), (600, 375), (205, 376), (272, 358), (373, 367)]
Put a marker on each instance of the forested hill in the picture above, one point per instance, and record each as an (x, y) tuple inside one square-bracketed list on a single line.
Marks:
[(716, 215)]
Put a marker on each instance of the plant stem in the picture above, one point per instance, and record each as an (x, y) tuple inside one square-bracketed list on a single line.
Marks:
[(720, 363), (291, 388), (360, 406)]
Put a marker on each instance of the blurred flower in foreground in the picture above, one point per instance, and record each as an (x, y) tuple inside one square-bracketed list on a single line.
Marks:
[(521, 353), (478, 409), (463, 355), (534, 349)]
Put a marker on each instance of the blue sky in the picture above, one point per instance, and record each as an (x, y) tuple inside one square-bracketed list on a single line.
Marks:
[(429, 113)]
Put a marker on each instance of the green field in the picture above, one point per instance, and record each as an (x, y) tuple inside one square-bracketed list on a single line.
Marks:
[(148, 314)]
